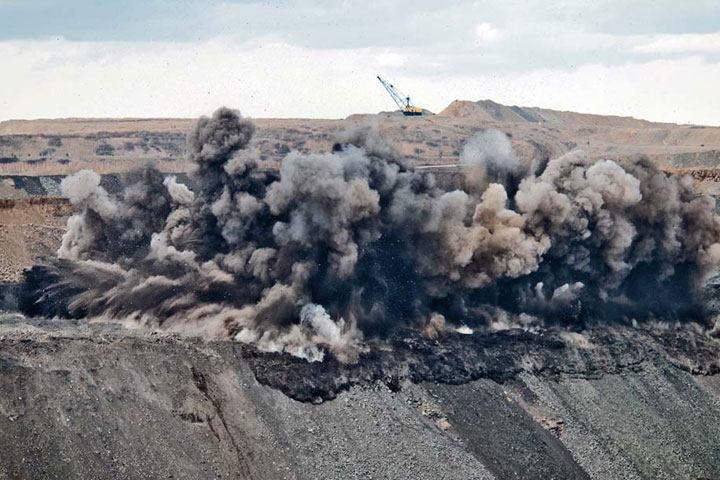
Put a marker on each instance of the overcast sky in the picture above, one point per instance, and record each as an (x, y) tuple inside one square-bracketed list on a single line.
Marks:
[(654, 59)]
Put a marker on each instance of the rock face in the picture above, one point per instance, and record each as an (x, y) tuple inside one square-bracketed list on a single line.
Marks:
[(80, 400)]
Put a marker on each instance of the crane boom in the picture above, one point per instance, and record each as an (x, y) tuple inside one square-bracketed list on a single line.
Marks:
[(401, 100), (394, 93)]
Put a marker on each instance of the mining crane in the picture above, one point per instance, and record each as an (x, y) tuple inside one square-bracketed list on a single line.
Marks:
[(401, 100)]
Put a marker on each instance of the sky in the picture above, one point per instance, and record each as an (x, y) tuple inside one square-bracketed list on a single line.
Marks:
[(652, 59)]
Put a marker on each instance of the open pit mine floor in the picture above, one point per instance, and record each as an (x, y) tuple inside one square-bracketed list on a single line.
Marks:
[(95, 400)]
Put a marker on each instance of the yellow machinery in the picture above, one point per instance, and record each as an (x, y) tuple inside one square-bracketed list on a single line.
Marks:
[(401, 100)]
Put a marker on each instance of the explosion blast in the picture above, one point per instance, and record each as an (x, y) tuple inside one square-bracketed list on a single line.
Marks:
[(339, 247)]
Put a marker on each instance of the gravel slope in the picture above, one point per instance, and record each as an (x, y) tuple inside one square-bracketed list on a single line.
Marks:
[(82, 400)]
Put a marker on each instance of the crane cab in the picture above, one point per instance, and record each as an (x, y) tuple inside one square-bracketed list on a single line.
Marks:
[(412, 111)]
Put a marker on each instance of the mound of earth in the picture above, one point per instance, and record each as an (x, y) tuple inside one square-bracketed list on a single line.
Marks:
[(492, 111)]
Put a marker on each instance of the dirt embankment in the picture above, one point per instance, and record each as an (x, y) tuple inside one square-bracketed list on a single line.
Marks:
[(44, 147), (85, 400), (29, 227)]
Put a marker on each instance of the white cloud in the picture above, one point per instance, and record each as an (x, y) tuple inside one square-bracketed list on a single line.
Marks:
[(486, 33), (391, 60), (59, 79), (685, 43)]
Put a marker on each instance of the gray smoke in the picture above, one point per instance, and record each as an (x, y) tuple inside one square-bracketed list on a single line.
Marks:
[(488, 157), (337, 247)]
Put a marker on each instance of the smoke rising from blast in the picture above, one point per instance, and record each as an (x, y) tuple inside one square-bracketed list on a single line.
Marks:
[(340, 246)]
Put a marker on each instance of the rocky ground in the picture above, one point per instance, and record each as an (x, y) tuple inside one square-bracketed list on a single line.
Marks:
[(82, 400), (29, 228)]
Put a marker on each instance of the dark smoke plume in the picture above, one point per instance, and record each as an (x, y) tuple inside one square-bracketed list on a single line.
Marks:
[(341, 246)]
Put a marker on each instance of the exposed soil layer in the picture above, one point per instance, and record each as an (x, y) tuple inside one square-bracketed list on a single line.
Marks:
[(29, 227), (81, 400)]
